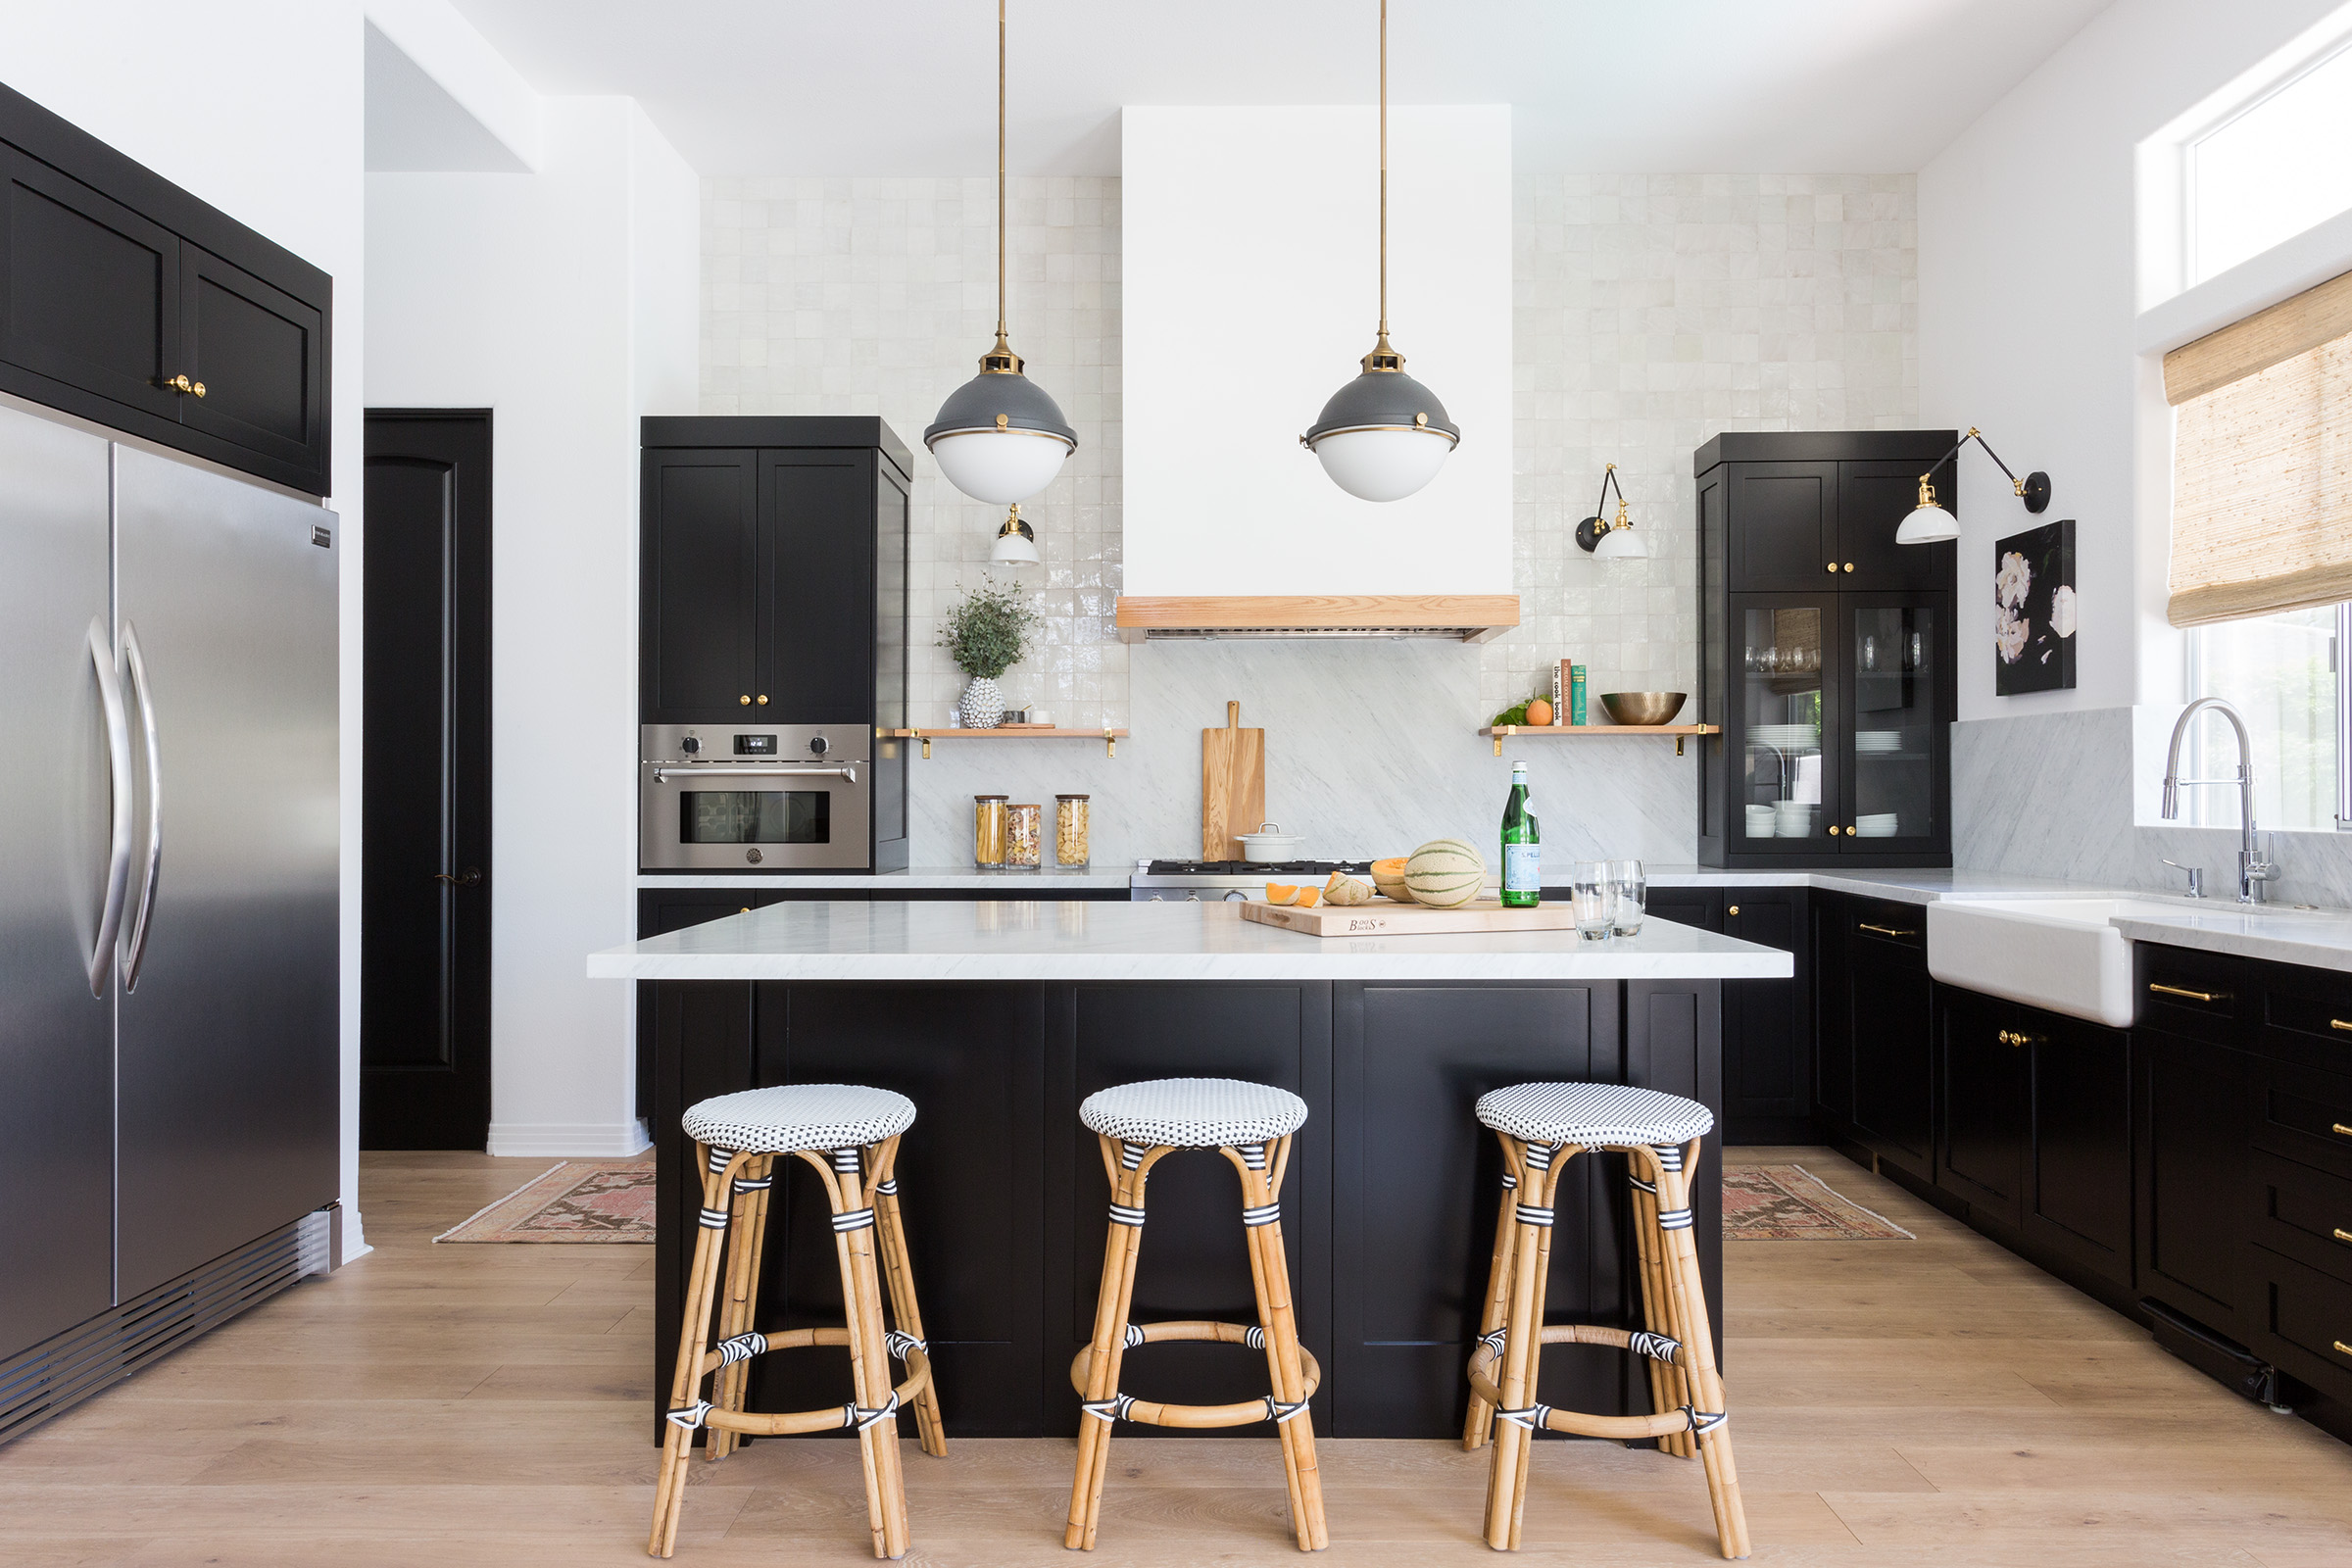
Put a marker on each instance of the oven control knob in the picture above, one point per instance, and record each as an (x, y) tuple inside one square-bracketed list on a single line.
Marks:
[(817, 746), (1192, 898), (1237, 896), (754, 856), (690, 746)]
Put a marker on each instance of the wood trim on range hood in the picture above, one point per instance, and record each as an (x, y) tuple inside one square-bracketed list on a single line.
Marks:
[(1462, 617)]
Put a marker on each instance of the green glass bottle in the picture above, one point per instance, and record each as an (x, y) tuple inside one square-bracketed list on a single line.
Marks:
[(1522, 846)]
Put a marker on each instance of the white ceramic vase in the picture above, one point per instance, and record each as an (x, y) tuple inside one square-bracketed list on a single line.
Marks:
[(982, 704)]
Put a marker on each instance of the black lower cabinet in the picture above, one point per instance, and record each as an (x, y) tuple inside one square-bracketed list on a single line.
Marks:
[(2077, 1193), (1891, 1027), (1983, 1105), (1768, 1032), (1389, 1207)]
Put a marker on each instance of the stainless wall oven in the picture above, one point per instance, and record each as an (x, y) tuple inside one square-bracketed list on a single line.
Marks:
[(745, 798)]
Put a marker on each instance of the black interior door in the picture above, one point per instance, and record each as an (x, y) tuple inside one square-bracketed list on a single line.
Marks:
[(1873, 499), (1784, 527), (817, 541), (90, 295), (425, 952), (1984, 1104), (699, 639), (261, 356)]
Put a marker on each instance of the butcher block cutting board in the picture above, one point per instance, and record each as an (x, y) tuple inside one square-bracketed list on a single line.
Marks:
[(1381, 918), (1233, 786)]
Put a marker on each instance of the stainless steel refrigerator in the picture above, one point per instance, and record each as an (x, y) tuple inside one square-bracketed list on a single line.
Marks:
[(168, 849)]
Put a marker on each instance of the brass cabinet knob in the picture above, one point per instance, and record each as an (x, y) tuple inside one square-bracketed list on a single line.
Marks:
[(1833, 830), (764, 699), (745, 699), (197, 387), (1850, 565), (1833, 569), (1735, 909)]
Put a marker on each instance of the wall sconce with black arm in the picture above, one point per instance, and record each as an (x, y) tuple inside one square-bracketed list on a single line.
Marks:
[(1930, 525), (1606, 540)]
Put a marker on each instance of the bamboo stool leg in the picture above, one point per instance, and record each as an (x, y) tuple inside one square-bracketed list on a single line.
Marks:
[(1549, 1182), (738, 1305), (1481, 1420), (1698, 1350), (1270, 1275), (694, 1336), (1110, 1346), (898, 1274), (869, 1362), (1667, 1389), (1506, 1479)]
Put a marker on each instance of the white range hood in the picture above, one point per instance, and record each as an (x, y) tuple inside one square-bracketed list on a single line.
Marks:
[(1249, 290)]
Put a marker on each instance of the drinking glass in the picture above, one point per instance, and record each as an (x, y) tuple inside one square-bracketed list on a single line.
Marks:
[(1589, 895), (1628, 890)]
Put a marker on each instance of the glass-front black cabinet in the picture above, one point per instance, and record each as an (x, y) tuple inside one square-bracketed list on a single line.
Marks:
[(1835, 702)]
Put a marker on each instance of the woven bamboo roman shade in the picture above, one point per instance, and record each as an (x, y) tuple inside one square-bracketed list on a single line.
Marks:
[(2262, 461)]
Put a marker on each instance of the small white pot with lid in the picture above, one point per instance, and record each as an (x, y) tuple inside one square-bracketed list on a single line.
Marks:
[(1271, 843)]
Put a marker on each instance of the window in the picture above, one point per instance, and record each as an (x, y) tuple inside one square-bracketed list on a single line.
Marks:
[(2279, 673), (2272, 169)]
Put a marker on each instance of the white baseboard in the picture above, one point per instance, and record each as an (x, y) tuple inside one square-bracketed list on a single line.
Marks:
[(569, 1140)]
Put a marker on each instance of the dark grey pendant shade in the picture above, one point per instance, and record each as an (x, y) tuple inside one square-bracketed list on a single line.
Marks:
[(1383, 400), (1000, 400)]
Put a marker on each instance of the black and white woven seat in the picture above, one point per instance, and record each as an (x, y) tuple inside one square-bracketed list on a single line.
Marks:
[(1543, 1127), (848, 1135), (791, 1117), (1596, 1115), (1138, 1125), (1194, 1113)]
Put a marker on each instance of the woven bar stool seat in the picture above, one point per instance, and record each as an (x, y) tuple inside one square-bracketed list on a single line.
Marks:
[(1251, 1124), (849, 1136), (1543, 1127), (1597, 1115)]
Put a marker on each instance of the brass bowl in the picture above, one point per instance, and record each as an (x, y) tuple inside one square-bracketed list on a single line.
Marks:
[(1644, 708)]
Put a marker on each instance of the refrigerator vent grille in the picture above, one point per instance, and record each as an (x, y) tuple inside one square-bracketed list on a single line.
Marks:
[(62, 1371)]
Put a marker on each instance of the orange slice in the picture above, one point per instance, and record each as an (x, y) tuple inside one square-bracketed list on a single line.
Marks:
[(1281, 893)]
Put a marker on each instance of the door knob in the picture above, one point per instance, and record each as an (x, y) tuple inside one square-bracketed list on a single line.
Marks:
[(470, 877)]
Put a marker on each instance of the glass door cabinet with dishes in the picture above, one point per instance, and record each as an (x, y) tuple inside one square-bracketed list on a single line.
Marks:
[(1835, 699)]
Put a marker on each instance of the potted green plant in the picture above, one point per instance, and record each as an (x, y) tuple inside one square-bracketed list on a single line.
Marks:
[(985, 634)]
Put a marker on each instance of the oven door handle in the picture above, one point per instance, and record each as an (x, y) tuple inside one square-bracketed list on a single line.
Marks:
[(663, 775)]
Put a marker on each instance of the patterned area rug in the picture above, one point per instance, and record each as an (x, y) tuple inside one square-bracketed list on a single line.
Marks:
[(1790, 1203), (577, 1201)]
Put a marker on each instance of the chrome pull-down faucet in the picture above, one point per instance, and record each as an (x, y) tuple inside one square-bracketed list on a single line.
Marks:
[(2252, 869)]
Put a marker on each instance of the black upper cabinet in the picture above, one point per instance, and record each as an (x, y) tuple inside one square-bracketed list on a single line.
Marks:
[(115, 284), (773, 573), (1827, 653)]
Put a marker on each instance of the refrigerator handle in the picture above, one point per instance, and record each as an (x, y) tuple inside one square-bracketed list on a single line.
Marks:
[(118, 773), (145, 693)]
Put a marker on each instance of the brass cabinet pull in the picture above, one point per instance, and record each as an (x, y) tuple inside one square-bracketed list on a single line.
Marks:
[(2344, 1235), (2013, 1037), (180, 384), (2193, 996), (1882, 930), (2343, 1348), (2342, 1131), (196, 388), (2345, 1024)]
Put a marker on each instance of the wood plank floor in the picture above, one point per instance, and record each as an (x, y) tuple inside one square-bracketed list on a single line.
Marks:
[(1894, 1403)]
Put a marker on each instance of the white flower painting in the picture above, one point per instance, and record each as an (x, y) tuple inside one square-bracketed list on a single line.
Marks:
[(2033, 611)]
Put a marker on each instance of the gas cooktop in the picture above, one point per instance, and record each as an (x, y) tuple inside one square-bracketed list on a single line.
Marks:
[(1182, 880), (1255, 869)]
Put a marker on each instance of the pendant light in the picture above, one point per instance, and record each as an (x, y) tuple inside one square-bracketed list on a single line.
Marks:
[(999, 438), (1931, 524), (1383, 435)]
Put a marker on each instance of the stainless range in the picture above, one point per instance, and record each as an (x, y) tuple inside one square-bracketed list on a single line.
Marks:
[(1208, 881)]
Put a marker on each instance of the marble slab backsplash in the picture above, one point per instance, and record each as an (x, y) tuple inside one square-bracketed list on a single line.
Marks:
[(1371, 749), (2075, 796)]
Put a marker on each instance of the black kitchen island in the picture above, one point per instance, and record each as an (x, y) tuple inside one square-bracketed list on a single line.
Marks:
[(997, 1018)]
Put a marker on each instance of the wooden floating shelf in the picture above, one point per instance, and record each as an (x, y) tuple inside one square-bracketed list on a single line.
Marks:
[(1110, 738), (1678, 731)]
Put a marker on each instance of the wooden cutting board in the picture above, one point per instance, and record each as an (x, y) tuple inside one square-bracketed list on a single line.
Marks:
[(1382, 919), (1233, 785)]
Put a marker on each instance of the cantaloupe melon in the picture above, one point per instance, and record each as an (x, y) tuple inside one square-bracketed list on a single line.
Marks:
[(1281, 893), (1345, 891), (1445, 873), (1387, 876)]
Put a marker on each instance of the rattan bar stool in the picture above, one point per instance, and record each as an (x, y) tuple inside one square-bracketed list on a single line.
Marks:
[(1250, 1125), (1542, 1127), (850, 1136)]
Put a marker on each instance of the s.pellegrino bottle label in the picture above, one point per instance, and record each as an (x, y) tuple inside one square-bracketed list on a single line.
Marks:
[(1522, 846)]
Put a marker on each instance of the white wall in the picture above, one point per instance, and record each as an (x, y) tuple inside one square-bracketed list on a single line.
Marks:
[(2028, 291), (565, 301), (255, 106)]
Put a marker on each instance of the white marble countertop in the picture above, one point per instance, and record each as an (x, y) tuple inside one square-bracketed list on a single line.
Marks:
[(2319, 939), (1100, 878), (1078, 939)]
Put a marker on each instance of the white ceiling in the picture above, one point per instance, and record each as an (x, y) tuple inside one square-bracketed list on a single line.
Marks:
[(907, 86)]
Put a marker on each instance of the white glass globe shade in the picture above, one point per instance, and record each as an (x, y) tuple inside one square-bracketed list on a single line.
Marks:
[(1620, 544), (1927, 525), (999, 467), (1015, 549), (1383, 464)]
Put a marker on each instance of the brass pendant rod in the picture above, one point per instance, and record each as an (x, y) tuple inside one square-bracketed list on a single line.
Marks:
[(1000, 169), (1384, 169)]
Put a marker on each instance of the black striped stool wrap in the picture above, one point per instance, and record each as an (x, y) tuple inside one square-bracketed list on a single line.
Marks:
[(1251, 1124), (849, 1137), (1543, 1127)]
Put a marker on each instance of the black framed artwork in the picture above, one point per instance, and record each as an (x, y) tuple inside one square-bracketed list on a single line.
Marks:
[(2033, 611)]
